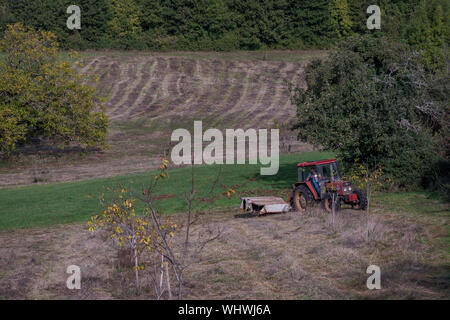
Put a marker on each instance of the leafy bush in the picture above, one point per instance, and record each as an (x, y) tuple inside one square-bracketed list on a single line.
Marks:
[(437, 178), (43, 96), (372, 102)]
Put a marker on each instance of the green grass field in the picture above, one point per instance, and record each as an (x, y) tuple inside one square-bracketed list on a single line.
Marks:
[(43, 205), (48, 204)]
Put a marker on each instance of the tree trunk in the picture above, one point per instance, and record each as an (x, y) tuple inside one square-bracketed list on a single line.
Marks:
[(333, 208), (136, 267), (180, 287), (161, 277), (367, 211), (169, 290)]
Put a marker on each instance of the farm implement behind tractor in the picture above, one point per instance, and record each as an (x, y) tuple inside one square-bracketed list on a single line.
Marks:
[(263, 205), (318, 182)]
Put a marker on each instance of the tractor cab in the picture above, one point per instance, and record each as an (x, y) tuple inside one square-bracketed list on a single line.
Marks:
[(327, 170)]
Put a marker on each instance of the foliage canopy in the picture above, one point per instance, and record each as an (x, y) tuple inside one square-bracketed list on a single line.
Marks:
[(42, 96), (231, 24), (372, 101)]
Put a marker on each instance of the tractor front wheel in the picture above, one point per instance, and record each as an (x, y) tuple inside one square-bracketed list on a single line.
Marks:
[(362, 200), (301, 199), (327, 203)]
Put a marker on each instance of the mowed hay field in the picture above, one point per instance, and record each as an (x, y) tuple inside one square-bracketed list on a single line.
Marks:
[(281, 256), (151, 94)]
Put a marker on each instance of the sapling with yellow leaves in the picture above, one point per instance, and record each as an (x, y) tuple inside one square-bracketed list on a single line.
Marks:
[(153, 234), (127, 228)]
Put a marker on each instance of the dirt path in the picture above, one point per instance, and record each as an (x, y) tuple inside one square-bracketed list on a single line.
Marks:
[(285, 256)]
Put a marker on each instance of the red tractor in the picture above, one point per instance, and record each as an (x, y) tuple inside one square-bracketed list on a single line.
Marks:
[(320, 181)]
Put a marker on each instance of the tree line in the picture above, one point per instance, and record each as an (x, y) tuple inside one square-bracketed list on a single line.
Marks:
[(227, 24)]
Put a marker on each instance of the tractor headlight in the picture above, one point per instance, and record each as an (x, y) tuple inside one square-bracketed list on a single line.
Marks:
[(345, 189)]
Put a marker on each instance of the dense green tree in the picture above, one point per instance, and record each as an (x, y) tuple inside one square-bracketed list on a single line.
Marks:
[(150, 14), (5, 15), (340, 18), (371, 102), (234, 24), (125, 26), (43, 96), (94, 24), (427, 32), (315, 26), (357, 14), (45, 15), (204, 21), (52, 16)]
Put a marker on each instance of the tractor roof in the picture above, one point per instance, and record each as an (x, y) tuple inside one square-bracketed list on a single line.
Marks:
[(314, 163)]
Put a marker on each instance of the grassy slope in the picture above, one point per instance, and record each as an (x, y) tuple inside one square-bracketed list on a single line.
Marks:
[(42, 205)]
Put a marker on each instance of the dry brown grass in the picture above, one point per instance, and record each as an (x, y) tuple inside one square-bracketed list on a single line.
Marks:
[(283, 256)]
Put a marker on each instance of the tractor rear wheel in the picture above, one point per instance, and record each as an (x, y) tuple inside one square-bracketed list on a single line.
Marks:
[(362, 204), (301, 199), (327, 203)]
